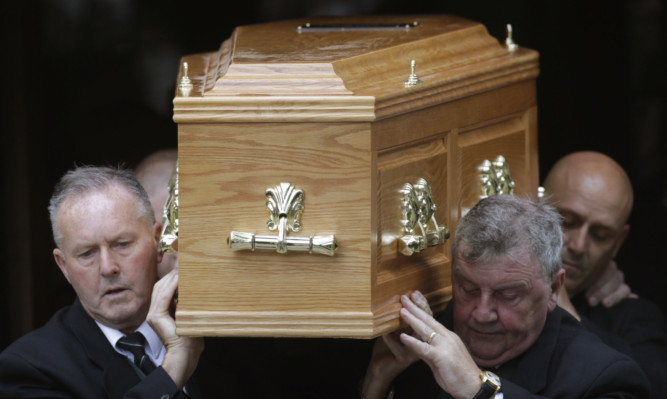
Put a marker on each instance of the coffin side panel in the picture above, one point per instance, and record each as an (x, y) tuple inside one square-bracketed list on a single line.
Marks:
[(224, 173)]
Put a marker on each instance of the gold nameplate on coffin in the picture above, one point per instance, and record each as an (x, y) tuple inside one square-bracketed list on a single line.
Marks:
[(324, 164)]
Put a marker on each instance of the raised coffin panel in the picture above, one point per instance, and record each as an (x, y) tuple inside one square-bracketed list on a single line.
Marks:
[(428, 270), (513, 138), (222, 187)]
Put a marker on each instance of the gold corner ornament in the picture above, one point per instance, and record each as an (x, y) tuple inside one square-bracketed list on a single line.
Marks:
[(169, 236), (509, 42), (185, 84), (413, 80), (420, 228), (285, 205), (496, 177)]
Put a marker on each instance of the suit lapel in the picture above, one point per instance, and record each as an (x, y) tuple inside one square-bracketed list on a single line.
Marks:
[(119, 376)]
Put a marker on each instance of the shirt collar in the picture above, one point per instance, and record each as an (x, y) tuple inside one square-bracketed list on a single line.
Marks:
[(155, 346)]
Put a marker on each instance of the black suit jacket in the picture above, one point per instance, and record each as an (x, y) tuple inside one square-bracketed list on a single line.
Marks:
[(70, 357), (635, 327), (566, 361)]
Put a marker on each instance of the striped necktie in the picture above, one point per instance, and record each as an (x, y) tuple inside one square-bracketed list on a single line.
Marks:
[(134, 343)]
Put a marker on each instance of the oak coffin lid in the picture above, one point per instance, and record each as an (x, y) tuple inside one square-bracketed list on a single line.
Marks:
[(278, 72)]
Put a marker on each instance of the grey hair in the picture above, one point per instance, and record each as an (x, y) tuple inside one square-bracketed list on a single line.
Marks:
[(507, 225), (88, 179)]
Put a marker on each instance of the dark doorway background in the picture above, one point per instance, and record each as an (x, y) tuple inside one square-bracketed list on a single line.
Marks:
[(91, 82)]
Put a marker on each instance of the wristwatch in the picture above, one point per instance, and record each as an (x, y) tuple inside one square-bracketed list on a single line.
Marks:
[(490, 385)]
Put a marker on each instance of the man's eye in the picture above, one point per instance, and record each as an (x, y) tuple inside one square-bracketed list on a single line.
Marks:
[(509, 295), (123, 244), (601, 236), (85, 254)]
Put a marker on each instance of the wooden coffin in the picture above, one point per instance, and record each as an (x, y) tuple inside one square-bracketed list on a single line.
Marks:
[(335, 109)]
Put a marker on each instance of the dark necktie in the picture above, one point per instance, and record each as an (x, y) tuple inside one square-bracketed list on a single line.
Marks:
[(135, 344)]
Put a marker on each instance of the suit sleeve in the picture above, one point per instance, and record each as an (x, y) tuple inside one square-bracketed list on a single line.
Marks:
[(157, 384), (620, 379), (19, 379), (637, 328)]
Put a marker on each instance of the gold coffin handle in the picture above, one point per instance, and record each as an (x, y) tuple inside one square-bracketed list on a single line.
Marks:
[(420, 228), (325, 245), (496, 177), (169, 235), (285, 205)]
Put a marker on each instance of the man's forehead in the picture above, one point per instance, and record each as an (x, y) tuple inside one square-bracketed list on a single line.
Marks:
[(600, 190), (597, 211), (109, 202)]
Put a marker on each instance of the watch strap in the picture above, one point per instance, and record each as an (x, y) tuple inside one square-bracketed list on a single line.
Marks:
[(490, 385), (485, 392)]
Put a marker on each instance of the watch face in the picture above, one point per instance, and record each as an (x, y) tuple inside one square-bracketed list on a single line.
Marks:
[(493, 379)]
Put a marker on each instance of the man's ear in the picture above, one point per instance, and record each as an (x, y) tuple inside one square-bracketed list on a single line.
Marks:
[(621, 238), (557, 283), (62, 263)]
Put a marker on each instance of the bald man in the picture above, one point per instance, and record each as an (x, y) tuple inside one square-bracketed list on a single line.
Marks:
[(594, 195), (154, 173)]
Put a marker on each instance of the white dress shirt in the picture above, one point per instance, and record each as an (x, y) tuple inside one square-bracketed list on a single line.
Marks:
[(154, 347)]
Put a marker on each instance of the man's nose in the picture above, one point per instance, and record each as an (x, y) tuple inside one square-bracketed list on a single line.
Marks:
[(485, 311), (108, 264), (575, 240)]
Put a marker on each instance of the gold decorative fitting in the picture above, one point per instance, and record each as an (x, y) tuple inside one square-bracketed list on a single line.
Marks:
[(419, 213), (509, 43), (185, 84), (169, 236), (496, 177), (413, 80), (285, 205)]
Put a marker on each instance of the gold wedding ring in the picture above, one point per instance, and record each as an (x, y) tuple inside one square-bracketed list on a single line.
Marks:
[(430, 338)]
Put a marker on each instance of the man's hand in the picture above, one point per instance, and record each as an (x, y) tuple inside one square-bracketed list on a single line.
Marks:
[(443, 351), (610, 288), (183, 353), (389, 359)]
